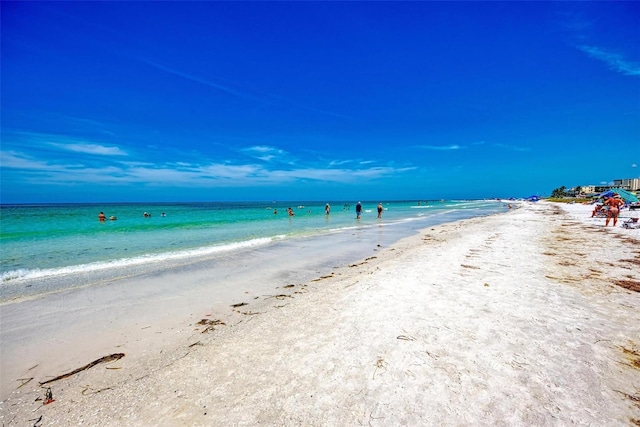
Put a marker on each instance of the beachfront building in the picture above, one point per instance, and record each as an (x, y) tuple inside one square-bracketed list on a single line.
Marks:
[(631, 184), (588, 189)]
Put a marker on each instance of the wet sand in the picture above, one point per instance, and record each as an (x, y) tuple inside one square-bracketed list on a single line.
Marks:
[(513, 319)]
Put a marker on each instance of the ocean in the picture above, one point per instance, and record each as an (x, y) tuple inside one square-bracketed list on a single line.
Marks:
[(45, 248)]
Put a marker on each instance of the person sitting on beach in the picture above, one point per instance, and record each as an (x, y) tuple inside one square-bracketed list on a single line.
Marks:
[(101, 216), (614, 203), (597, 209)]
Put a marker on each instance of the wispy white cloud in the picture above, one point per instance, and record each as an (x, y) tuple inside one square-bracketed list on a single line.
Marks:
[(441, 147), (342, 175), (334, 163), (262, 98), (185, 174), (576, 24), (614, 60), (512, 147), (633, 165), (104, 164), (89, 123), (224, 88), (87, 148), (61, 142), (591, 32), (265, 153), (15, 160)]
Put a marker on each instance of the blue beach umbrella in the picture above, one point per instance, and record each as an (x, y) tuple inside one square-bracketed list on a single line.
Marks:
[(604, 194)]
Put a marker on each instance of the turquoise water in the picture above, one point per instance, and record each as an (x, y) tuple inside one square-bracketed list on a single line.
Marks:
[(43, 241)]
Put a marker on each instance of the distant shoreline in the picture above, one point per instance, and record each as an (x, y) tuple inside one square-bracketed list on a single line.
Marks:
[(266, 203)]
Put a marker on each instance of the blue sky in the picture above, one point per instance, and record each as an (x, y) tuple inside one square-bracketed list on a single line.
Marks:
[(214, 101)]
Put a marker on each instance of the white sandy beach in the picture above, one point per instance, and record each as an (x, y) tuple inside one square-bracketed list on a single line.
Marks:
[(513, 319)]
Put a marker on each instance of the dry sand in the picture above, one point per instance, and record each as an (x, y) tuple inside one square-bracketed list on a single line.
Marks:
[(513, 319)]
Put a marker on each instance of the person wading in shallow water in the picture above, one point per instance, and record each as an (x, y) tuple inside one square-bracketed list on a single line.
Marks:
[(358, 210), (614, 203)]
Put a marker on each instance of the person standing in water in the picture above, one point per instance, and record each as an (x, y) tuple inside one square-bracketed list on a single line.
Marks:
[(380, 209), (327, 209), (358, 210)]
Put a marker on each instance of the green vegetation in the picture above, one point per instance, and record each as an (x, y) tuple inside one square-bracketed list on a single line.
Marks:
[(569, 199), (559, 193)]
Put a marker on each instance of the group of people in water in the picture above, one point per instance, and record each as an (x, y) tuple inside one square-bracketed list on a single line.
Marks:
[(327, 210), (102, 217), (380, 209), (148, 215), (289, 211)]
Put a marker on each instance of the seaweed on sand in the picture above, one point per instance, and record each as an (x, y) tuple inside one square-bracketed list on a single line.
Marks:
[(109, 358)]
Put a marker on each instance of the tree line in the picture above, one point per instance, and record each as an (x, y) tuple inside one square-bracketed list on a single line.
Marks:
[(561, 192)]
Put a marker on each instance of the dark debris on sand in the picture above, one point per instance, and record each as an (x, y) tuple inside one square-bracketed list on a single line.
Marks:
[(632, 285)]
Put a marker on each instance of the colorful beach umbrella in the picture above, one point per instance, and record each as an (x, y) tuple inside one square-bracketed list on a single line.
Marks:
[(624, 194)]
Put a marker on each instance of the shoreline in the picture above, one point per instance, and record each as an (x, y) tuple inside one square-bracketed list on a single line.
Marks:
[(25, 284), (39, 245), (147, 310), (496, 320)]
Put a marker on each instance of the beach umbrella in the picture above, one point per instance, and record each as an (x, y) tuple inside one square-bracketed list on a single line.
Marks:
[(625, 195), (605, 194)]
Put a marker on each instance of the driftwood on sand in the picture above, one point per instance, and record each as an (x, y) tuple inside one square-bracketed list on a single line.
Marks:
[(109, 358)]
